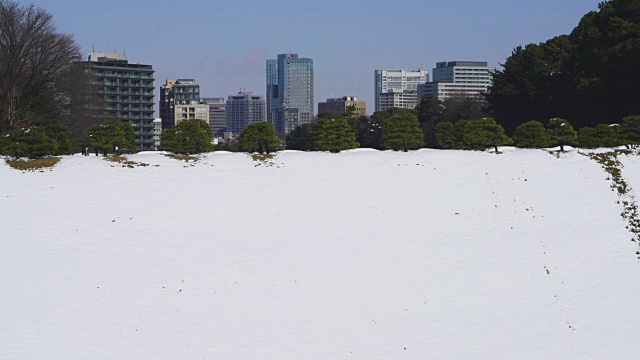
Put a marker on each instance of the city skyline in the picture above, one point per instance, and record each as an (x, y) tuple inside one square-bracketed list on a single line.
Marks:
[(225, 46)]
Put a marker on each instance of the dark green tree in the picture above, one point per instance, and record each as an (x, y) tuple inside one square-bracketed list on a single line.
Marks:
[(610, 135), (62, 136), (429, 111), (585, 77), (30, 142), (561, 133), (333, 135), (369, 130), (260, 137), (300, 138), (446, 135), (112, 137), (588, 138), (631, 130), (604, 63), (463, 108), (189, 137), (531, 134), (484, 133), (533, 84), (370, 135), (402, 132)]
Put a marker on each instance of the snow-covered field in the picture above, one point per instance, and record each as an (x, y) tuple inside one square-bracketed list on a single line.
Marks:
[(359, 255)]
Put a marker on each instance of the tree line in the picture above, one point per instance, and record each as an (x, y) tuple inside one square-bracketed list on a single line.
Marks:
[(585, 80), (588, 77)]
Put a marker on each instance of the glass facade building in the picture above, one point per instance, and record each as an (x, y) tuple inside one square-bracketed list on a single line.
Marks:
[(289, 92)]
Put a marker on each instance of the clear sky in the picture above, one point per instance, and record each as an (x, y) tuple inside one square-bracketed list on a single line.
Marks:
[(224, 44)]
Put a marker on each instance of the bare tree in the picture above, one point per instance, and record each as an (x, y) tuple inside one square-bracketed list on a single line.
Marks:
[(36, 67)]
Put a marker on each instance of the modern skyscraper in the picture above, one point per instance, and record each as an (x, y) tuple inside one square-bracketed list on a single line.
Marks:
[(127, 90), (339, 105), (180, 100), (397, 81), (458, 78), (217, 115), (242, 110), (289, 91)]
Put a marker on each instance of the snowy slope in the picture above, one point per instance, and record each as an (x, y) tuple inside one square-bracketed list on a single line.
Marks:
[(359, 255)]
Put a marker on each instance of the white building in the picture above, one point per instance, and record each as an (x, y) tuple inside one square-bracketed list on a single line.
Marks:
[(157, 131), (397, 81), (458, 78), (407, 99)]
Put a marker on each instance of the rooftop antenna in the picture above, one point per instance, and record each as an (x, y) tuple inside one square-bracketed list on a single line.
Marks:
[(352, 92), (93, 48), (331, 92)]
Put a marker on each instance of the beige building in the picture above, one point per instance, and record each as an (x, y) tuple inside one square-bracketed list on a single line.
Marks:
[(191, 111), (339, 105)]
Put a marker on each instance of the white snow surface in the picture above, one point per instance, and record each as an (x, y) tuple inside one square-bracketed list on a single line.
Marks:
[(358, 255)]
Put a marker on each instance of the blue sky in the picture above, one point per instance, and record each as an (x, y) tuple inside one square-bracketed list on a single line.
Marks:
[(224, 44)]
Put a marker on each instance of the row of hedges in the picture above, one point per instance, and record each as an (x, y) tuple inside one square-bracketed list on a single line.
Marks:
[(56, 139)]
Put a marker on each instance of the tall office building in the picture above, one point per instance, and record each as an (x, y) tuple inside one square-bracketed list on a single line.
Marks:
[(217, 115), (397, 81), (127, 90), (242, 110), (289, 91), (458, 78), (180, 100)]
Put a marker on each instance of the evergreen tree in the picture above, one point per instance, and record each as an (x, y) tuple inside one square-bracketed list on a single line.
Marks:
[(31, 142), (260, 137), (370, 132), (446, 135), (430, 111), (402, 132), (561, 133), (333, 135), (300, 138), (610, 135), (531, 134), (588, 138), (112, 137), (189, 137), (483, 133), (62, 136), (631, 130)]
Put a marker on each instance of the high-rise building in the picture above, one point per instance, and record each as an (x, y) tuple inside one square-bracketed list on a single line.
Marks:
[(217, 115), (397, 81), (289, 91), (458, 78), (180, 100), (339, 105), (243, 109), (407, 99), (127, 90)]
